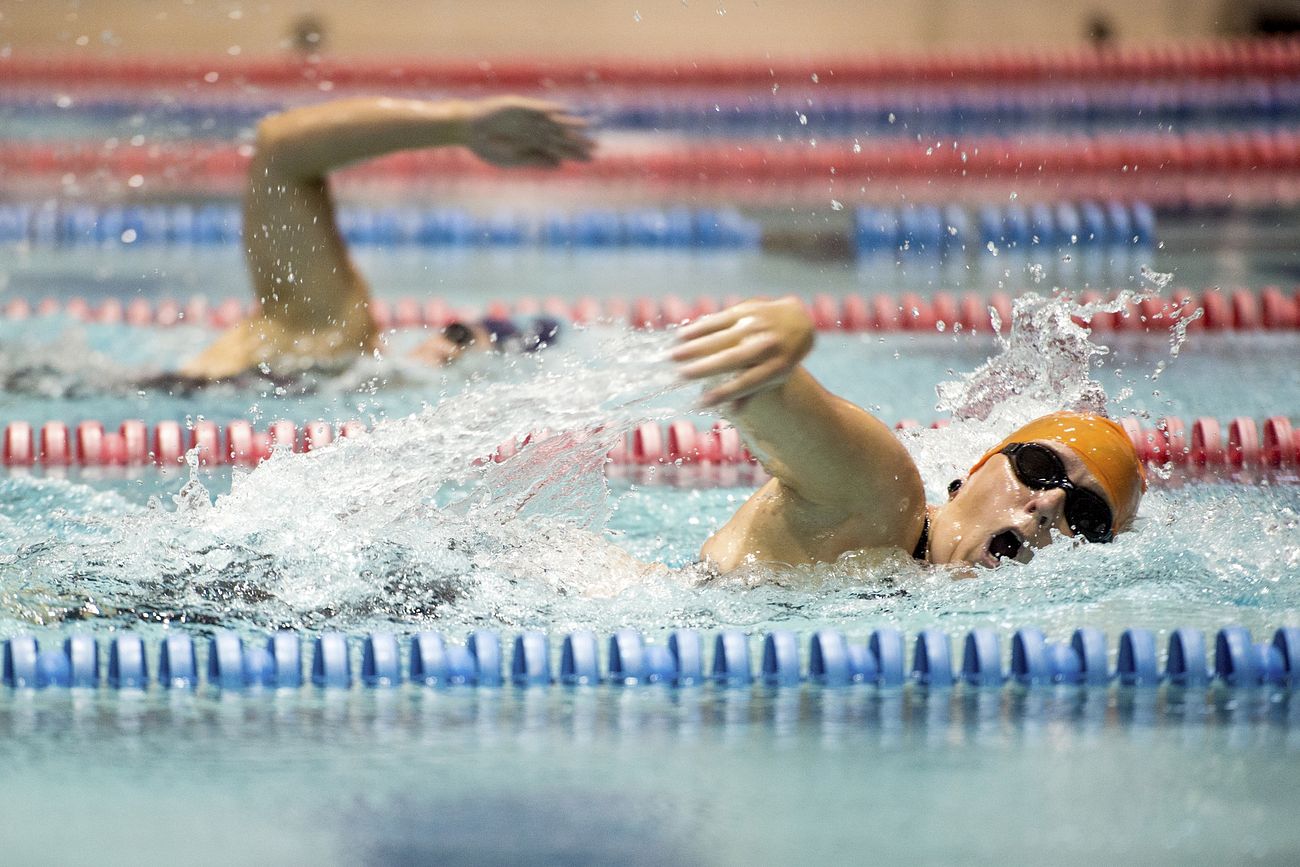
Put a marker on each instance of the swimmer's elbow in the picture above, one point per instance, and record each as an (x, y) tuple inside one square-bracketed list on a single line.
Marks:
[(280, 146), (271, 132)]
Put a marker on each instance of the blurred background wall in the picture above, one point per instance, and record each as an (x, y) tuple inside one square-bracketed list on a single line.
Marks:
[(627, 28)]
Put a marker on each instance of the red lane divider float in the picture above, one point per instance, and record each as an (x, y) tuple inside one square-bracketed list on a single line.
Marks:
[(1209, 60), (1124, 159), (1270, 309), (1202, 443)]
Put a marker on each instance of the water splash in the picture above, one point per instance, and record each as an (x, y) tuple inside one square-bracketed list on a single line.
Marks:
[(1044, 363), (395, 523), (401, 529), (58, 369)]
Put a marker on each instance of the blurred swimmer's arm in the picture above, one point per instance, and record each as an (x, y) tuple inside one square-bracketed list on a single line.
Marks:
[(826, 450), (505, 131), (314, 303)]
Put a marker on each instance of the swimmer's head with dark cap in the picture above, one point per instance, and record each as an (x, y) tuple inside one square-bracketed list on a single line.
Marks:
[(1067, 473), (487, 335)]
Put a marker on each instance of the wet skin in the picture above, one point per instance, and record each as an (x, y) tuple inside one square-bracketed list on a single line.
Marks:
[(993, 501)]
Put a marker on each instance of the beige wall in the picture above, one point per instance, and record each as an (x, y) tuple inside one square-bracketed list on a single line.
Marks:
[(588, 28)]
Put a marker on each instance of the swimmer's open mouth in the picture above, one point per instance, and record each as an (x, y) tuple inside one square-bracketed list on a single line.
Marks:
[(1005, 545)]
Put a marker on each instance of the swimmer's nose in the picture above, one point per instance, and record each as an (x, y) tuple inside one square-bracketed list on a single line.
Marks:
[(1043, 511)]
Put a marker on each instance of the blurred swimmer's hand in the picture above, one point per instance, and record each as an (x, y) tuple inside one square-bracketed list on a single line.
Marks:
[(760, 341), (512, 131)]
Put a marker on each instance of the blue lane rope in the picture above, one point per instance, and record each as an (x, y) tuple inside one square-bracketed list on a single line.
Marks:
[(898, 112), (217, 223), (918, 228), (930, 228), (236, 663)]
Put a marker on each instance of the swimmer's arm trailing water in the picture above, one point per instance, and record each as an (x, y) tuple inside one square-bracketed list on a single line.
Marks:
[(314, 303), (841, 480)]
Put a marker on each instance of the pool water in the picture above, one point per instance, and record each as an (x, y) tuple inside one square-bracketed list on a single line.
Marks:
[(649, 776), (399, 531)]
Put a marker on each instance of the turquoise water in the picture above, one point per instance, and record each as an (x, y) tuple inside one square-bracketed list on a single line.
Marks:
[(650, 776), (1198, 252), (397, 531)]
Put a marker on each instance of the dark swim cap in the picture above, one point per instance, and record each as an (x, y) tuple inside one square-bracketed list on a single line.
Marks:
[(500, 331), (543, 332), (458, 333)]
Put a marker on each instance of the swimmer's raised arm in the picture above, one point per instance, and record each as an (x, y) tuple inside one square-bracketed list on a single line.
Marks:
[(841, 479), (314, 303)]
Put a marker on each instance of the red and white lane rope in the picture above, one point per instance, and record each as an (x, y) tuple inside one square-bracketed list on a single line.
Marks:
[(1269, 309), (1210, 60), (1203, 442), (1124, 158)]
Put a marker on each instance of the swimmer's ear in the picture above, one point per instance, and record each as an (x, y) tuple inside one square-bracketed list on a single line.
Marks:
[(953, 487)]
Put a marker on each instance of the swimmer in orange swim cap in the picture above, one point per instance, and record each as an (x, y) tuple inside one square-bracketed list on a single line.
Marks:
[(841, 481)]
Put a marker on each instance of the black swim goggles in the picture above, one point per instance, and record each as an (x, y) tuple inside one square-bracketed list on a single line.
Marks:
[(1041, 469)]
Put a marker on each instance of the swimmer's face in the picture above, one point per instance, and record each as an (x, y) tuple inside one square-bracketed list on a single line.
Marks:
[(451, 343), (995, 516)]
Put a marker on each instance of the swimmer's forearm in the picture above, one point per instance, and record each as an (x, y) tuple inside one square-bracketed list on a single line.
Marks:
[(828, 450), (313, 140)]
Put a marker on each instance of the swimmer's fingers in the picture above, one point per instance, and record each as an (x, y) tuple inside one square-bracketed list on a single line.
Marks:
[(745, 354), (520, 132), (537, 157), (753, 380), (574, 148), (511, 153), (708, 344), (519, 156), (708, 324), (567, 124)]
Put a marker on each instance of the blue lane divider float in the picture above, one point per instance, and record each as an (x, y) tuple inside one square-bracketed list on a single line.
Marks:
[(216, 223), (234, 663), (898, 111), (934, 230)]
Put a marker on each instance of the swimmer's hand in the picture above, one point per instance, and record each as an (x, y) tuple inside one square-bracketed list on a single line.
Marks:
[(512, 131), (760, 341)]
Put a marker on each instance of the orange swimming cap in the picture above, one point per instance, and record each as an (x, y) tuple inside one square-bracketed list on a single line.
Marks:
[(1100, 443)]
